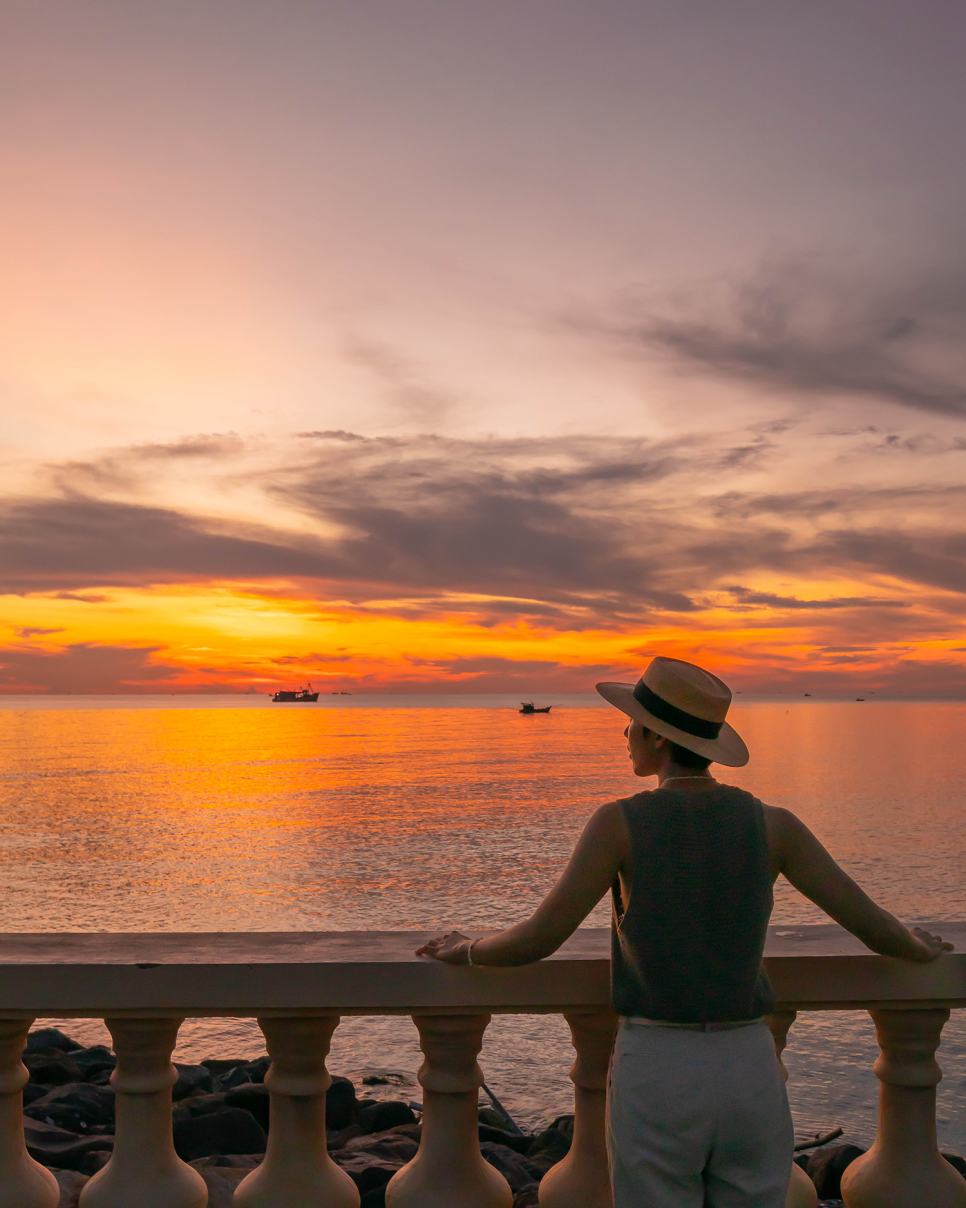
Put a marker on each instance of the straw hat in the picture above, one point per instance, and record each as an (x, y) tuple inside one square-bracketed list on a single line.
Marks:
[(680, 701)]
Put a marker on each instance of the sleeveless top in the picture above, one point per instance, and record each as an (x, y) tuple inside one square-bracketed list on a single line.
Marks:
[(688, 948)]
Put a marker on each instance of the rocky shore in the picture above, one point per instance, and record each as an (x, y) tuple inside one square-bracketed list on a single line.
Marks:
[(221, 1122)]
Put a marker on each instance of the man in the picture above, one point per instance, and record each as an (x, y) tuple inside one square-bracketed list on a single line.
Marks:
[(698, 1112)]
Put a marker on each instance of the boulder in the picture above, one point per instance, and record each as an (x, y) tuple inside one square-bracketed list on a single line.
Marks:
[(59, 1149), (517, 1171), (375, 1198), (221, 1182), (367, 1170), (191, 1078), (341, 1108), (51, 1071), (237, 1161), (228, 1130), (71, 1184), (390, 1145), (336, 1140), (550, 1146), (526, 1197), (50, 1038), (196, 1105), (32, 1092), (515, 1141), (218, 1066), (97, 1057), (74, 1106), (826, 1167), (93, 1161), (236, 1077), (955, 1160), (252, 1097), (382, 1116), (258, 1068)]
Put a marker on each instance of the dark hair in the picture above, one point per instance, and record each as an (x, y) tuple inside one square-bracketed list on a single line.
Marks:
[(689, 759), (685, 758)]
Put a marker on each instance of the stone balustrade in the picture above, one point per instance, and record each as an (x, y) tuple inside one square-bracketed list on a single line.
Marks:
[(299, 984)]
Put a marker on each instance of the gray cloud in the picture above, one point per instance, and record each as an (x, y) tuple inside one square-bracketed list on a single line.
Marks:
[(571, 531), (795, 328), (86, 667)]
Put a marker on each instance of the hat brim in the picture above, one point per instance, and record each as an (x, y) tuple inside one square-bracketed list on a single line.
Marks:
[(727, 749)]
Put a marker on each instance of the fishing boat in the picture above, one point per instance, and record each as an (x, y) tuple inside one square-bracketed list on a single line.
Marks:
[(527, 706), (297, 695)]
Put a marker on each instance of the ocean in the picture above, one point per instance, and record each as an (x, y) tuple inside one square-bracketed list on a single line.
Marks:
[(202, 813)]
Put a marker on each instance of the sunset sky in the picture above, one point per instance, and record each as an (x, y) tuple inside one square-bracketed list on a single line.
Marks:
[(482, 346)]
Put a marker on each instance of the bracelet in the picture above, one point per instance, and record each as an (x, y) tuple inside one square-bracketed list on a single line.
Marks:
[(469, 952)]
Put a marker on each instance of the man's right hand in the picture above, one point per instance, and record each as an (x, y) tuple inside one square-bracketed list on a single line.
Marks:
[(932, 945)]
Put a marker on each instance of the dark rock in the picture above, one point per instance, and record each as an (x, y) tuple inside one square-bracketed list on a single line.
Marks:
[(827, 1165), (96, 1064), (51, 1071), (374, 1199), (60, 1149), (51, 1038), (382, 1116), (71, 1184), (191, 1078), (553, 1144), (341, 1108), (234, 1161), (365, 1101), (229, 1130), (393, 1146), (802, 1159), (239, 1076), (32, 1092), (217, 1066), (198, 1105), (955, 1160), (93, 1161), (336, 1140), (258, 1069), (98, 1056), (252, 1097), (73, 1105), (367, 1170), (514, 1141), (526, 1197), (517, 1171)]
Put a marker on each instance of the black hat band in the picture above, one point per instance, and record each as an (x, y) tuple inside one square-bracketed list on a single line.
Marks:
[(660, 708)]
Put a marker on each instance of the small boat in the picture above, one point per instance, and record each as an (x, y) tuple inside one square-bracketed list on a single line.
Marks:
[(860, 698), (529, 707), (299, 694)]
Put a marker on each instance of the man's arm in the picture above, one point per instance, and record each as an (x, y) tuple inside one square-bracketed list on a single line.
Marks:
[(810, 868), (593, 866)]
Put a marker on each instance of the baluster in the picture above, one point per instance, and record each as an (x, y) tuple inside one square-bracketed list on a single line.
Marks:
[(297, 1171), (801, 1189), (582, 1179), (904, 1166), (24, 1183), (144, 1171), (449, 1171)]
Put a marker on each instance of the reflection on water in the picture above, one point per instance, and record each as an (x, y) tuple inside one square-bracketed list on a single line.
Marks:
[(350, 817)]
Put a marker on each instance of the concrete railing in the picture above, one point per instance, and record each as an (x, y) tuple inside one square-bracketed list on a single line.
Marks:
[(298, 985)]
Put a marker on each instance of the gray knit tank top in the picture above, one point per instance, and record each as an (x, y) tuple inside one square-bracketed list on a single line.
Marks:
[(688, 946)]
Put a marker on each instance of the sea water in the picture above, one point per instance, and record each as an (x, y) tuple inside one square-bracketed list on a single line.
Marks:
[(428, 812)]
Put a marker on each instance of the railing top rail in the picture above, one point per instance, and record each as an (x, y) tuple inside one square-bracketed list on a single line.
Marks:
[(368, 973)]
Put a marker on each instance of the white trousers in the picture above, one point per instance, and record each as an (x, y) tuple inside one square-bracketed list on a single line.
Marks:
[(698, 1119)]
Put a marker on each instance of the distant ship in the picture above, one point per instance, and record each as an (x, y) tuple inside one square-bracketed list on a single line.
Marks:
[(529, 707), (299, 694)]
